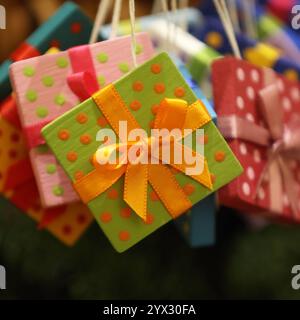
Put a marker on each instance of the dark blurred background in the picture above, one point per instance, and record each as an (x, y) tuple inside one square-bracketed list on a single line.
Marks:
[(247, 262)]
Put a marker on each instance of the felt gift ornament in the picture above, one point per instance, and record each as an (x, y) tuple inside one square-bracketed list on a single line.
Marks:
[(128, 209), (57, 83), (258, 113), (194, 53), (17, 184), (261, 54), (190, 16), (198, 224), (69, 26)]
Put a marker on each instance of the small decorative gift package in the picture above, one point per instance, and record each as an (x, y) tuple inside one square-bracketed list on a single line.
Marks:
[(213, 34), (67, 223), (48, 86), (195, 54), (126, 206), (259, 114), (190, 16), (69, 26)]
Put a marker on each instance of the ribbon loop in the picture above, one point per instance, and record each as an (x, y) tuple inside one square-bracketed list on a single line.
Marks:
[(172, 114)]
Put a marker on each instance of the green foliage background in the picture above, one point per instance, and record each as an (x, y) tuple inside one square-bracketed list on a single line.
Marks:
[(244, 263)]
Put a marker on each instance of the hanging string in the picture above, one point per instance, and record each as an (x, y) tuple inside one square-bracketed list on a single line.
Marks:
[(102, 11), (248, 8), (115, 18), (132, 25), (164, 5), (233, 12), (226, 21), (183, 4)]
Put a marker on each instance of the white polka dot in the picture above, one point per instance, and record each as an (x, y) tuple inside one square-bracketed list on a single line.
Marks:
[(243, 149), (254, 75), (261, 193), (286, 104), (240, 74), (246, 189), (285, 200), (250, 173), (240, 102), (250, 117), (256, 155), (250, 93), (295, 94), (280, 85)]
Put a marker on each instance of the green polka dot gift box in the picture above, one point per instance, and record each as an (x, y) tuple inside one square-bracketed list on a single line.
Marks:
[(48, 86), (132, 200)]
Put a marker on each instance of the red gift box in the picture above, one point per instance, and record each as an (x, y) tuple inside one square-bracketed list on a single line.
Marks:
[(259, 115)]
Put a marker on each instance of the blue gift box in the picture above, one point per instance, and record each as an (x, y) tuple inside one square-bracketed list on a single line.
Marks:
[(68, 27), (198, 225)]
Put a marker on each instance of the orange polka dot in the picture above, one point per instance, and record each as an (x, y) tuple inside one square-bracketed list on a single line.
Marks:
[(154, 196), (156, 68), (159, 88), (220, 156), (179, 92), (124, 235), (78, 175), (137, 86), (149, 218), (135, 105), (105, 217), (102, 122), (72, 156), (213, 178), (63, 134), (189, 189), (154, 108), (85, 139), (125, 212), (81, 118), (112, 194)]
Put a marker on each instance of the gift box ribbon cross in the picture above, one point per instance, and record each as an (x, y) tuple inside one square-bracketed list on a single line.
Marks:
[(282, 141), (172, 113)]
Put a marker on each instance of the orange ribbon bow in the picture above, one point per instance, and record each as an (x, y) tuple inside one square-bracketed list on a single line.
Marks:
[(172, 113)]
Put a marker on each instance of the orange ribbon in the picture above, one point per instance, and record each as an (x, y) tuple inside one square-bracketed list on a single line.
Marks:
[(171, 114)]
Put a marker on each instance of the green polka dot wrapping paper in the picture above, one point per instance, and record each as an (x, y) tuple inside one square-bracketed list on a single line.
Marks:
[(141, 90), (68, 27), (44, 91)]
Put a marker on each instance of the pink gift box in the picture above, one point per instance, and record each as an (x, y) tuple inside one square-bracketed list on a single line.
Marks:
[(50, 85), (237, 89)]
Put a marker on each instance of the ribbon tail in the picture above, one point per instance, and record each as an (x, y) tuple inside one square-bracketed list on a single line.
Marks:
[(192, 164), (173, 197), (290, 186), (97, 182), (135, 188)]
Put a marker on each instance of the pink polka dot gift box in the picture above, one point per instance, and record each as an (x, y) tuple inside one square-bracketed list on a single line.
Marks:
[(259, 115), (48, 86)]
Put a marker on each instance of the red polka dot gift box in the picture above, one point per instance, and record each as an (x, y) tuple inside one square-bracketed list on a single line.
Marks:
[(259, 115), (50, 85), (131, 199), (17, 183)]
